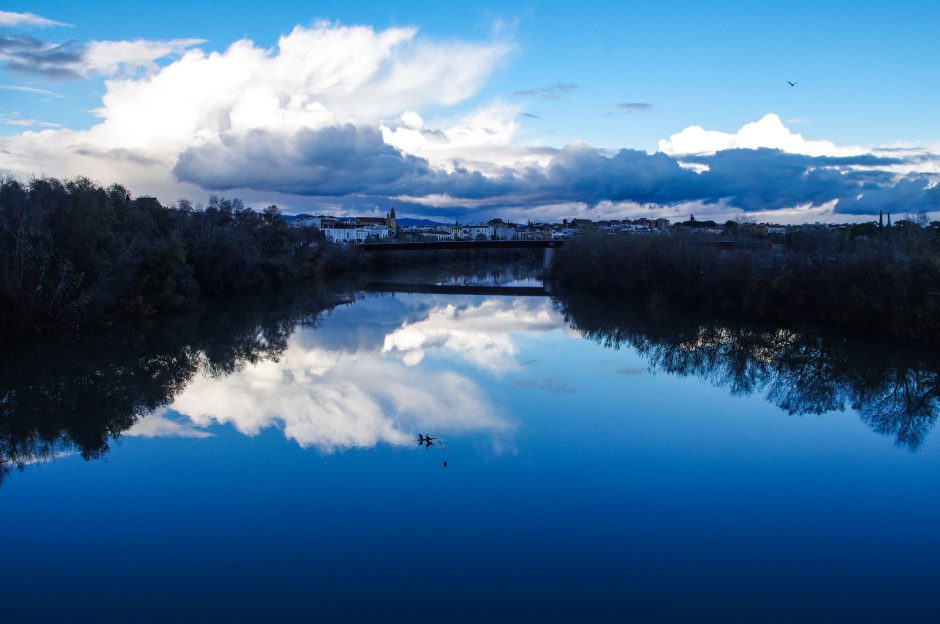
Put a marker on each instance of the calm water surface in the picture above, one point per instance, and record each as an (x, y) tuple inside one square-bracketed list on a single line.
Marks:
[(260, 463)]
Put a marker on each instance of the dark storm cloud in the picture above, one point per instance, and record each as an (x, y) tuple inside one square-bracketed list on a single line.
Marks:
[(582, 173), (802, 160), (910, 195), (355, 161), (766, 179), (25, 54), (335, 161), (762, 179)]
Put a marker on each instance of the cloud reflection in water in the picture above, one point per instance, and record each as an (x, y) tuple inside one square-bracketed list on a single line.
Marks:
[(344, 385), (480, 334)]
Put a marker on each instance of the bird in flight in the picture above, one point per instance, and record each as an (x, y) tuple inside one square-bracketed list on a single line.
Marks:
[(792, 84), (427, 440)]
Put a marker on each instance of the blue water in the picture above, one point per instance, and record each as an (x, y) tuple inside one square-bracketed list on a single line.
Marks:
[(583, 482)]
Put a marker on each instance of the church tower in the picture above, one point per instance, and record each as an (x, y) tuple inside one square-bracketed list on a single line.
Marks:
[(390, 221)]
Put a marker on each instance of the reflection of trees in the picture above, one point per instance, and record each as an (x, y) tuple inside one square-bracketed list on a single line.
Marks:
[(902, 408), (75, 396), (895, 391)]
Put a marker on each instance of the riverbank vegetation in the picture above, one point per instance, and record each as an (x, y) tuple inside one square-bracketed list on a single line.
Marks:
[(74, 253), (872, 281)]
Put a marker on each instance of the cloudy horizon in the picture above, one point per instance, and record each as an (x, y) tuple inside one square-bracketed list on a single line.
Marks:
[(345, 117)]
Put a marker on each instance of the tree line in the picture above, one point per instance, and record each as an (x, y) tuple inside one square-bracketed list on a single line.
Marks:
[(882, 282), (74, 253)]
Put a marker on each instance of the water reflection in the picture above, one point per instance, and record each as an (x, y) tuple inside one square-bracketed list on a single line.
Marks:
[(478, 333), (333, 376), (62, 397), (895, 391), (341, 399), (362, 378)]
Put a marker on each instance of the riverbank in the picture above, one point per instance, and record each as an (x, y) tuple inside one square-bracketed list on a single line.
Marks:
[(74, 254), (884, 286)]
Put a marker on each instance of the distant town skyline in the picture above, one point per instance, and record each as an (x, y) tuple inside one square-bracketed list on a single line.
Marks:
[(519, 110)]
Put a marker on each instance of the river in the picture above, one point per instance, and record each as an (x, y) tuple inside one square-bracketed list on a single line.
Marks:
[(260, 461)]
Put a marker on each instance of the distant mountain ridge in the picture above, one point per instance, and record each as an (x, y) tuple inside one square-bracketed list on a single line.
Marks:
[(405, 221), (413, 222), (292, 218)]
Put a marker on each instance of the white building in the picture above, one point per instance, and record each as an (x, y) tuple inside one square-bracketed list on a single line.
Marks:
[(435, 235), (340, 234), (348, 234), (474, 232)]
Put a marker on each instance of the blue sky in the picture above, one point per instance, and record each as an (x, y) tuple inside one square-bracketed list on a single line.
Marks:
[(613, 75)]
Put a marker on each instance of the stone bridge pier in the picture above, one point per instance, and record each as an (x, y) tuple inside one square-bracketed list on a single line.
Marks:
[(547, 255)]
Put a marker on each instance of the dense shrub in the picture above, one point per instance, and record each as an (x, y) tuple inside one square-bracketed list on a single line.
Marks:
[(883, 283), (73, 252)]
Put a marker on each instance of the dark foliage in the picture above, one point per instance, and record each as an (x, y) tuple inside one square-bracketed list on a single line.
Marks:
[(883, 283), (74, 253)]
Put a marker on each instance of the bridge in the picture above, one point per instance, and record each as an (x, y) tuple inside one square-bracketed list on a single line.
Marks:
[(463, 244), (548, 246), (457, 289)]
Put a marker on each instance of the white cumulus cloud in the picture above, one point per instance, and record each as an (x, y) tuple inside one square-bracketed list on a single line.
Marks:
[(115, 57), (315, 77), (767, 132), (335, 111)]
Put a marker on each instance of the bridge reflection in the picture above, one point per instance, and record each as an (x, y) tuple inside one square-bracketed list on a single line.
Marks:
[(457, 289)]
